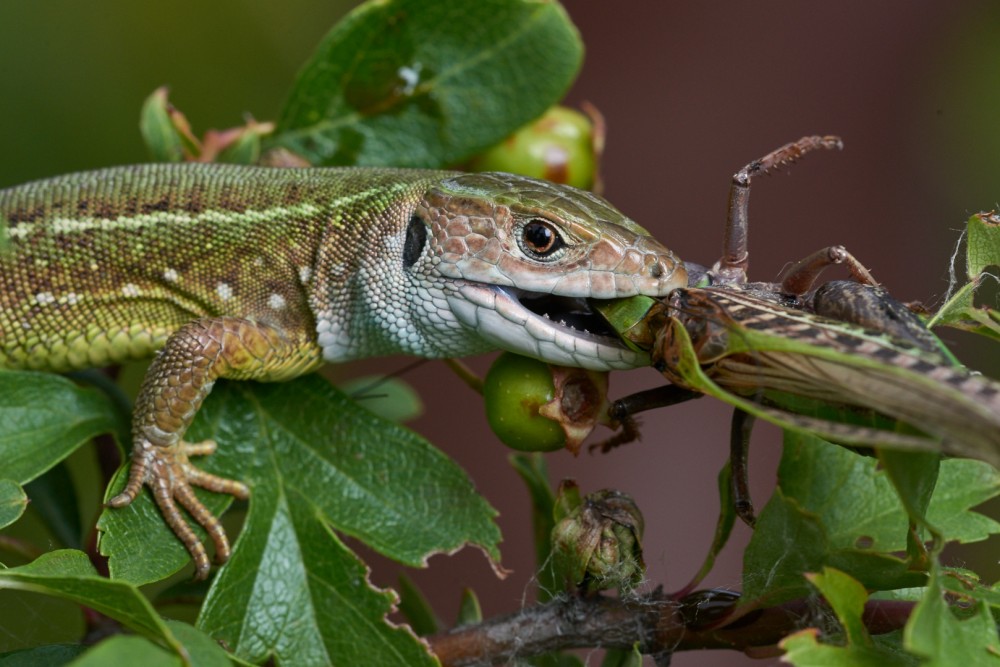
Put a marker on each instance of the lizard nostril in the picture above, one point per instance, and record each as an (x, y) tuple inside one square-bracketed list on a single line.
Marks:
[(658, 270)]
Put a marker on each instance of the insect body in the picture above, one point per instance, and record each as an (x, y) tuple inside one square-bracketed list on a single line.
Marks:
[(845, 361)]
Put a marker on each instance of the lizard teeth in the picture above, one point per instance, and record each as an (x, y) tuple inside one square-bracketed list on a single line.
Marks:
[(502, 318)]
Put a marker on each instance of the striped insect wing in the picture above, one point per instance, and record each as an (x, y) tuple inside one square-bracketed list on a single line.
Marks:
[(779, 355)]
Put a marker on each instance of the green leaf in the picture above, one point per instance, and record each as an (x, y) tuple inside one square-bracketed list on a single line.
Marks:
[(858, 506), (847, 597), (984, 243), (163, 141), (804, 649), (831, 508), (469, 609), (370, 478), (963, 485), (314, 604), (52, 655), (723, 526), (313, 459), (534, 472), (410, 83), (914, 476), (247, 146), (617, 657), (982, 252), (201, 650), (857, 648), (965, 584), (415, 608), (388, 397), (550, 660), (122, 650), (45, 418), (836, 508), (53, 497), (935, 633), (69, 575), (13, 500)]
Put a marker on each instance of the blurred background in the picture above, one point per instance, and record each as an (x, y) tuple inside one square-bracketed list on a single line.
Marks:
[(691, 92)]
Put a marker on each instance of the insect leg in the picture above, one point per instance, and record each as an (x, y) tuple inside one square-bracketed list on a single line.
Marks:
[(800, 277), (623, 411), (732, 266), (739, 450)]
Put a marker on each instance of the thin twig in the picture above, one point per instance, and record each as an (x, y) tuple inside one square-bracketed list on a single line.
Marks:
[(658, 625)]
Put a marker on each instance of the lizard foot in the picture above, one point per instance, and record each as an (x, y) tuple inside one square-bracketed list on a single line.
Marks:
[(172, 477)]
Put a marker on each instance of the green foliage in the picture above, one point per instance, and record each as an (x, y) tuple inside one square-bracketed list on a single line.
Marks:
[(310, 455), (982, 253), (388, 397), (834, 508), (534, 473), (12, 502), (426, 84), (69, 575), (46, 417), (623, 658), (855, 646), (469, 610), (165, 144), (937, 634), (415, 608)]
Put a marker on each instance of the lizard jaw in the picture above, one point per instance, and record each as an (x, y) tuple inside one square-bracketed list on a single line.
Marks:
[(542, 326)]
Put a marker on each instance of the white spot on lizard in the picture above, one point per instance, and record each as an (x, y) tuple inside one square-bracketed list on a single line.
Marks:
[(276, 301), (225, 291), (170, 275), (44, 298), (130, 290)]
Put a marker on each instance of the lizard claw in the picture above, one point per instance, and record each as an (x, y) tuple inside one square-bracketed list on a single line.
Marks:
[(172, 477)]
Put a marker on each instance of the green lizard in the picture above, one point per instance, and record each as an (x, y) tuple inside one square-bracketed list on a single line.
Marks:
[(263, 274)]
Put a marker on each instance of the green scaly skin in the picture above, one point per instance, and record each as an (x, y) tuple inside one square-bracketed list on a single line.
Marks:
[(263, 274)]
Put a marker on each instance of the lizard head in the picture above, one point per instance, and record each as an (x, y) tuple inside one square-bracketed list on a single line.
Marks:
[(525, 257)]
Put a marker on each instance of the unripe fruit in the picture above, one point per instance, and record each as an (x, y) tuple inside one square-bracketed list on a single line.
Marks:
[(557, 147), (515, 388)]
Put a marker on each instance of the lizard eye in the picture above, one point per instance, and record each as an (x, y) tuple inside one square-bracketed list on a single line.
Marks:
[(540, 239)]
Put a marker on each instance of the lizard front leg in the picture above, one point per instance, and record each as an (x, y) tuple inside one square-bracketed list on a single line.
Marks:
[(175, 386)]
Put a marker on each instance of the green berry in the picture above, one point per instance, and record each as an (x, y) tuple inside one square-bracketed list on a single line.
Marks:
[(557, 147), (515, 388)]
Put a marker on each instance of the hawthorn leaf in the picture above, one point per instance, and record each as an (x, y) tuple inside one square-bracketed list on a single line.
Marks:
[(46, 417), (408, 83), (69, 574), (936, 634)]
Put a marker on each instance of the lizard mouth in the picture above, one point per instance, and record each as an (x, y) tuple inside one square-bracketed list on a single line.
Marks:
[(557, 329), (572, 313)]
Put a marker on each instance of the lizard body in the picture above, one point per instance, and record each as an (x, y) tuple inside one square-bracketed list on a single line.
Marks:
[(264, 274)]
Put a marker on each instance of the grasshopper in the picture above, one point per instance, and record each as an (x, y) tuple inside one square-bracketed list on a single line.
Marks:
[(845, 361)]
